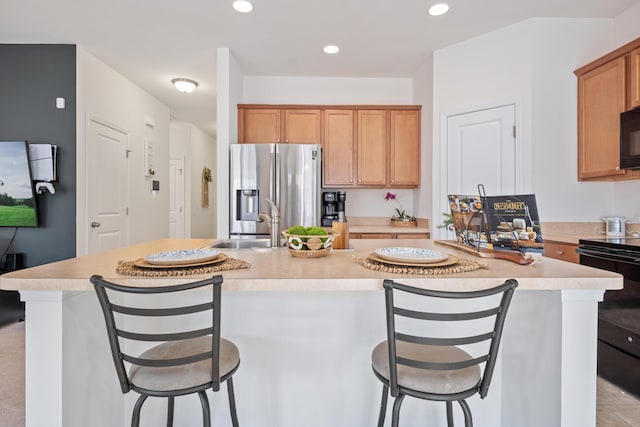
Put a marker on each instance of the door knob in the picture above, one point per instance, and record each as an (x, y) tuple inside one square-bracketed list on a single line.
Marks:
[(95, 224)]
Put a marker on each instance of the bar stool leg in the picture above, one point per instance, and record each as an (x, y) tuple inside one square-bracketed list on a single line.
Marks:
[(206, 414), (383, 405), (396, 410), (170, 411), (449, 413), (468, 421), (232, 403), (135, 418)]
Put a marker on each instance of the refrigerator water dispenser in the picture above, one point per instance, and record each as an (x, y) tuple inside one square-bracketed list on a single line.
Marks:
[(248, 205)]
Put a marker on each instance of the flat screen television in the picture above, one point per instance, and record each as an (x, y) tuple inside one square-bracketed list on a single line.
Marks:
[(17, 197)]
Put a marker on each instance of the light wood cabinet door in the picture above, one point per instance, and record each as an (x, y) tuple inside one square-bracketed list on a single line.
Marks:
[(561, 251), (412, 235), (302, 126), (372, 148), (404, 148), (633, 100), (601, 99), (338, 148), (259, 126), (377, 236)]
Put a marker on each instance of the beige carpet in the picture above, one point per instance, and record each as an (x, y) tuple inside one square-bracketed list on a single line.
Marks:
[(12, 375)]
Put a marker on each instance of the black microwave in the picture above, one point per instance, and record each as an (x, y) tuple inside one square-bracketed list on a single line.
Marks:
[(630, 139)]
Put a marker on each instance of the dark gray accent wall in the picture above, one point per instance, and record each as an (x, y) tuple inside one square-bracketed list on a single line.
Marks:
[(31, 78)]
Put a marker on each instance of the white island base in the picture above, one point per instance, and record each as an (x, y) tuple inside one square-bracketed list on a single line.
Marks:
[(305, 353)]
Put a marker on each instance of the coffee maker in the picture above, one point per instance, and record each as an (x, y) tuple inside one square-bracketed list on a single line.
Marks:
[(329, 208)]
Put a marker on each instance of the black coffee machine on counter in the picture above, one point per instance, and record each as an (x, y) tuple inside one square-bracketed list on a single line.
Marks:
[(333, 207)]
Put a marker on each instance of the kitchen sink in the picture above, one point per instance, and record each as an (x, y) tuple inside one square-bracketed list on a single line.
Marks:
[(241, 244)]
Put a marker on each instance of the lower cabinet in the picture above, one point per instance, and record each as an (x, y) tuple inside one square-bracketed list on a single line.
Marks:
[(561, 251)]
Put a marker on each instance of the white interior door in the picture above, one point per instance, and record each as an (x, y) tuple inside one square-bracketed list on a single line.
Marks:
[(107, 193), (481, 149), (176, 198)]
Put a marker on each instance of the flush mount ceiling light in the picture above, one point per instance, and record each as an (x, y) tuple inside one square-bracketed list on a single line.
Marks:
[(242, 6), (438, 9), (185, 85), (331, 49)]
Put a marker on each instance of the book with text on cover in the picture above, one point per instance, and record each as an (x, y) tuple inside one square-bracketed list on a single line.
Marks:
[(497, 222)]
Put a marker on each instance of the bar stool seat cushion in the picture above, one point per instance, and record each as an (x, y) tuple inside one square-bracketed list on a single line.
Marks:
[(183, 376), (428, 381)]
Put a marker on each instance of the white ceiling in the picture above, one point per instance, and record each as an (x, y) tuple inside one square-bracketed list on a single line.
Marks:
[(152, 41)]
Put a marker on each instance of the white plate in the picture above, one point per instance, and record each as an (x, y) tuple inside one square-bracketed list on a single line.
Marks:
[(413, 255), (182, 256)]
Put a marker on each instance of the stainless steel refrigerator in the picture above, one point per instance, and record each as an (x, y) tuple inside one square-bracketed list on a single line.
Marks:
[(287, 174)]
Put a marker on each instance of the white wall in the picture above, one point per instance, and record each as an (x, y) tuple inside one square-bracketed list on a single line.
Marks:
[(423, 95), (229, 87), (333, 90), (525, 63), (198, 150), (107, 96), (203, 153)]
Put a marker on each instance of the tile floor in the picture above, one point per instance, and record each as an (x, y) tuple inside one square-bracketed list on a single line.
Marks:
[(615, 408)]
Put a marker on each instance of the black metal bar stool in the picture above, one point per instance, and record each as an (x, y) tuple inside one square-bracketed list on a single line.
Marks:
[(432, 364), (182, 363)]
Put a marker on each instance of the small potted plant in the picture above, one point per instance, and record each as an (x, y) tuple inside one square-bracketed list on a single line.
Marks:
[(401, 218)]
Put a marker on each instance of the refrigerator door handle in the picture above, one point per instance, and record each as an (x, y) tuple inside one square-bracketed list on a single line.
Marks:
[(277, 159)]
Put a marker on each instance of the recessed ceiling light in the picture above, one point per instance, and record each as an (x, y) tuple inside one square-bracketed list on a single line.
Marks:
[(185, 85), (242, 6), (331, 49), (438, 9)]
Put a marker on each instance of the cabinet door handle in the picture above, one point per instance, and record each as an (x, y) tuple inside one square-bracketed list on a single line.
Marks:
[(559, 252), (95, 224)]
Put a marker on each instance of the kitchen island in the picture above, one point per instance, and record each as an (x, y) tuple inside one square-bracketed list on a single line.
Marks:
[(305, 329)]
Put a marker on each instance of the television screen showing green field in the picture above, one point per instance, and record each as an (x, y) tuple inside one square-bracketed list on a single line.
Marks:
[(17, 201)]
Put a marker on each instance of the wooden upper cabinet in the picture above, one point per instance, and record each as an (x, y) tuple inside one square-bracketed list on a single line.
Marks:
[(338, 148), (404, 148), (275, 126), (601, 99), (302, 127), (259, 126), (607, 87), (633, 100), (362, 146), (372, 147)]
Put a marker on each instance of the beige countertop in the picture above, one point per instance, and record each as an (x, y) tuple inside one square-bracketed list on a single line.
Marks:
[(572, 232), (277, 270)]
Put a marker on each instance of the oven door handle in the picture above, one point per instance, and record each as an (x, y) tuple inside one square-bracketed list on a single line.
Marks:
[(606, 256)]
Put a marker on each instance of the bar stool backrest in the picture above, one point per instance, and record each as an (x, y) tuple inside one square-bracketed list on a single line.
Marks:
[(119, 329), (484, 331)]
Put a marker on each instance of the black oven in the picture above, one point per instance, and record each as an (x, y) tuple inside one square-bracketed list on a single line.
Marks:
[(630, 139), (619, 312)]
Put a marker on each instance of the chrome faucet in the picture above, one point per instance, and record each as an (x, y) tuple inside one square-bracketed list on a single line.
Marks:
[(274, 223)]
